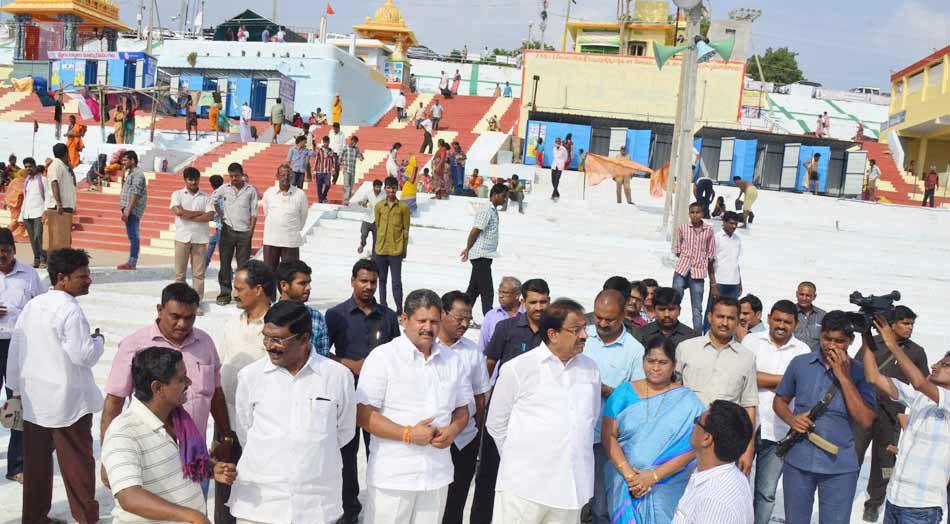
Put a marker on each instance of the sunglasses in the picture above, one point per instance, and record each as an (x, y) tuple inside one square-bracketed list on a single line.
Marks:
[(699, 422)]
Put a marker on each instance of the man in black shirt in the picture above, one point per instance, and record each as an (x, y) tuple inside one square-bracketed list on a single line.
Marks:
[(666, 306), (355, 327), (512, 337), (887, 427)]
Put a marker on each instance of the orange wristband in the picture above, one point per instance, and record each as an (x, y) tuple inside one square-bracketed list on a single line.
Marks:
[(405, 435)]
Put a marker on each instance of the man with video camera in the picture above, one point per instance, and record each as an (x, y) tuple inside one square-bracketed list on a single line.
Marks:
[(887, 428)]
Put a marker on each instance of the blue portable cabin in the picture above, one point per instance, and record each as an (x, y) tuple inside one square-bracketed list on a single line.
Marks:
[(111, 68), (259, 89)]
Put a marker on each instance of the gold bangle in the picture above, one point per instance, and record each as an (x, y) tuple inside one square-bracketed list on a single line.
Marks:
[(655, 478)]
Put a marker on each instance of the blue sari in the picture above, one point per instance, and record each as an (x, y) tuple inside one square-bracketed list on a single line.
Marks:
[(647, 445)]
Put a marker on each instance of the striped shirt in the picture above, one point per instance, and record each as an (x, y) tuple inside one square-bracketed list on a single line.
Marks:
[(325, 161), (486, 244), (721, 494), (318, 336), (923, 456), (348, 159), (137, 451), (696, 247)]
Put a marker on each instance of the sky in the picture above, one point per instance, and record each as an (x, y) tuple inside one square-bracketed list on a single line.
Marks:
[(853, 43)]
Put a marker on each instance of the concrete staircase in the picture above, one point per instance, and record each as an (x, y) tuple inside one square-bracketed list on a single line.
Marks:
[(895, 186)]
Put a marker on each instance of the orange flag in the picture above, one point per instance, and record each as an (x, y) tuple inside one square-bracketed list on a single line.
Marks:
[(330, 10), (600, 168), (658, 181)]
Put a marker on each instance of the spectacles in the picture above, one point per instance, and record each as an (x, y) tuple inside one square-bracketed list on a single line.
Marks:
[(279, 342), (574, 330), (460, 319), (699, 422), (942, 364)]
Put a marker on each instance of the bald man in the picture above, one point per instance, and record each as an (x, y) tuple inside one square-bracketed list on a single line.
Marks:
[(619, 356)]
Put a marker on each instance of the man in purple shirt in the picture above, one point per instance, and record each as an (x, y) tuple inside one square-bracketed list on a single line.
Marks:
[(175, 329), (509, 305)]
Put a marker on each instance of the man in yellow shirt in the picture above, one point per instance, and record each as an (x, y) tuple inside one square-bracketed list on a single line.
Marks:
[(392, 237)]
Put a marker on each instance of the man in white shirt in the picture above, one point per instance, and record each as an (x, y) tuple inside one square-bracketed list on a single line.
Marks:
[(725, 278), (241, 344), (774, 351), (426, 125), (542, 416), (295, 410), (49, 369), (193, 210), (368, 196), (18, 284), (285, 208), (418, 115), (435, 113), (557, 166), (400, 106), (337, 142), (414, 399), (874, 173), (31, 212), (718, 492), (456, 318), (60, 200)]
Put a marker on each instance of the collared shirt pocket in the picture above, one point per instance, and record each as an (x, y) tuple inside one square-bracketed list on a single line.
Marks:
[(201, 374), (319, 415)]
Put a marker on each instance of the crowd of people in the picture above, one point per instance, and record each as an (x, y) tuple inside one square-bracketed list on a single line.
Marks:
[(620, 414)]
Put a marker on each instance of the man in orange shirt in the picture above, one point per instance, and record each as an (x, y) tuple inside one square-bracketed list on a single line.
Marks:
[(74, 141), (930, 187)]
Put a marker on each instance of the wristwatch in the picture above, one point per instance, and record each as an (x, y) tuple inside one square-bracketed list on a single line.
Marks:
[(228, 439)]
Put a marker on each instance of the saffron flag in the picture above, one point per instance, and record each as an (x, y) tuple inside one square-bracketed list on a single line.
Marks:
[(600, 168), (330, 10), (658, 181)]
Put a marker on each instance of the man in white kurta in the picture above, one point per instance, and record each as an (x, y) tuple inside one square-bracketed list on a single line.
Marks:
[(542, 415), (295, 410), (245, 122), (285, 211), (413, 397)]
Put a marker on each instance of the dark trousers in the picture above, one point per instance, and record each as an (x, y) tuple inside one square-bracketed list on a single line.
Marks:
[(15, 446), (463, 461), (34, 228), (365, 229), (232, 244), (426, 142), (480, 283), (73, 446), (929, 196), (705, 194), (883, 432), (351, 479), (555, 181), (222, 492), (323, 186), (297, 179), (483, 503), (387, 264), (274, 255)]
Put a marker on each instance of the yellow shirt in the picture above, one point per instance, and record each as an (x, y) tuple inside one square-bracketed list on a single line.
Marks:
[(392, 227)]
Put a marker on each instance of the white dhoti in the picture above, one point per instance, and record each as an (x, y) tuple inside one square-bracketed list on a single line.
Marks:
[(392, 506), (245, 131), (512, 508)]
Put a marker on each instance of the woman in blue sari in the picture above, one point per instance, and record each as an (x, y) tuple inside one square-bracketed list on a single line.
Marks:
[(646, 430)]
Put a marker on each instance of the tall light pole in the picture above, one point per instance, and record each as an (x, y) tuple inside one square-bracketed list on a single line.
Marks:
[(682, 154), (567, 19)]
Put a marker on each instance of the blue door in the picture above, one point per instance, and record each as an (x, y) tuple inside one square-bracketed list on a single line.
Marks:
[(259, 98)]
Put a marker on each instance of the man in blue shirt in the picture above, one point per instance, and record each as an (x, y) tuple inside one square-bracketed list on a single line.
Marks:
[(807, 467), (619, 358), (356, 327), (298, 157)]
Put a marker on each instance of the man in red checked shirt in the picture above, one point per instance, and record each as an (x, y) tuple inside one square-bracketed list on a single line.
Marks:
[(696, 249), (324, 165)]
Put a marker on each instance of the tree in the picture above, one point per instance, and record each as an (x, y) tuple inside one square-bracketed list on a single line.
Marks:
[(534, 44), (779, 66), (455, 54)]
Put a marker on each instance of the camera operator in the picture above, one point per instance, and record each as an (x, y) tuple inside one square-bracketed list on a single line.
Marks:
[(825, 461), (886, 428)]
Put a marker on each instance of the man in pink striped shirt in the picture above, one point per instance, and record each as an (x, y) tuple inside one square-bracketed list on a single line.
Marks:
[(696, 249)]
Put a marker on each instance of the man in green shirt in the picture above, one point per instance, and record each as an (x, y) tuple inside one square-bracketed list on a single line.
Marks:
[(392, 237), (515, 194), (277, 118)]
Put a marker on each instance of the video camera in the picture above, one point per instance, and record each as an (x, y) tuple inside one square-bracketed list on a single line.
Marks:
[(871, 306)]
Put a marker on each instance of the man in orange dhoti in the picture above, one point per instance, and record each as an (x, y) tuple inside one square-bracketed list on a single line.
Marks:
[(74, 141)]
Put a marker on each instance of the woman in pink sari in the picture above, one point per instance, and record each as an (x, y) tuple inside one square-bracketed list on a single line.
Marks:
[(440, 170), (456, 80)]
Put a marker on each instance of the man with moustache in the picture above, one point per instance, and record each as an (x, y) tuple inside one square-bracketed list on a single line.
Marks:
[(414, 398), (619, 358), (241, 344), (774, 350), (293, 283), (355, 328), (553, 391), (295, 410), (809, 316), (456, 318), (666, 308), (509, 305), (750, 317), (512, 337)]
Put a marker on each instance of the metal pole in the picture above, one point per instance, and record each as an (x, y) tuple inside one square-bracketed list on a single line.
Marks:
[(138, 18), (181, 16), (567, 19), (151, 23), (681, 162), (273, 15)]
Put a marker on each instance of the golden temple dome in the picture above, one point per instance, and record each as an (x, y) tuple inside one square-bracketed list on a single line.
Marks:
[(389, 14)]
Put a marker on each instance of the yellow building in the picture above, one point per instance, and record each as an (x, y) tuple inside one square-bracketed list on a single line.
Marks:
[(652, 22), (920, 111), (388, 26)]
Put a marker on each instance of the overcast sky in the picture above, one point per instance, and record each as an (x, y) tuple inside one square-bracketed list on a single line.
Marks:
[(857, 43)]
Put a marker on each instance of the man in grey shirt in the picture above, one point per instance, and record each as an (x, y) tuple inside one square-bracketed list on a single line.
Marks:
[(132, 202), (238, 208), (808, 329)]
